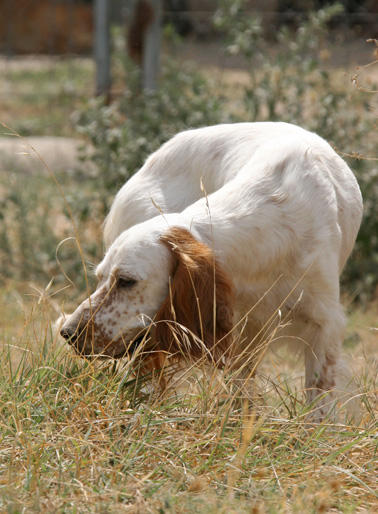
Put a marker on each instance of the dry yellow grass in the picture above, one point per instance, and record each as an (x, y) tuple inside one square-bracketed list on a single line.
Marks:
[(77, 436)]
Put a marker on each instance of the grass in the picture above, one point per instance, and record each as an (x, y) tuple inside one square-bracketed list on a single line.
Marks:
[(38, 95), (40, 248), (81, 437)]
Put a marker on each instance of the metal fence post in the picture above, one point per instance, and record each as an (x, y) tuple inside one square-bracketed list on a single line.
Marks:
[(102, 47), (151, 53)]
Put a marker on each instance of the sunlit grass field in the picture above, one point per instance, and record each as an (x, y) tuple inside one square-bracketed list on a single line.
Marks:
[(79, 436)]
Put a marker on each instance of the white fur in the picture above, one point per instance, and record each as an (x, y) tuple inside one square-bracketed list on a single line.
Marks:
[(275, 203)]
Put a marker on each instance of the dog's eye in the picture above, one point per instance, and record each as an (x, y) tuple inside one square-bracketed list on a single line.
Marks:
[(124, 283)]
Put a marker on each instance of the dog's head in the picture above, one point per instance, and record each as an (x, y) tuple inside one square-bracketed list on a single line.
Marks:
[(157, 284)]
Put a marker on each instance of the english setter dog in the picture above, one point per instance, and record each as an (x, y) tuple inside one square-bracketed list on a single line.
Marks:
[(225, 227)]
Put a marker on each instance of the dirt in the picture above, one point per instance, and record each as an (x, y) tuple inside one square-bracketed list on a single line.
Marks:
[(36, 154)]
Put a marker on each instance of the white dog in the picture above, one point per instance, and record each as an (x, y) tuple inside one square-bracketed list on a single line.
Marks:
[(226, 224)]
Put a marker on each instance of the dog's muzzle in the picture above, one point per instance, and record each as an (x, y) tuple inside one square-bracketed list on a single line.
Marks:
[(69, 334), (76, 337)]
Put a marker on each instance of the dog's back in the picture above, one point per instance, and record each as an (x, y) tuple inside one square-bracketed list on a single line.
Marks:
[(188, 166)]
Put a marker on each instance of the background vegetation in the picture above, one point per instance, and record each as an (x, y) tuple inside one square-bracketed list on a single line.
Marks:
[(289, 83), (81, 436)]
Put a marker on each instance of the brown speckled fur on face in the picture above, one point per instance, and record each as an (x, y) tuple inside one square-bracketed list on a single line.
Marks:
[(93, 337), (197, 278)]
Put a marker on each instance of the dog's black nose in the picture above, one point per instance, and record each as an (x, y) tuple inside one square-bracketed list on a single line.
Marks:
[(68, 333)]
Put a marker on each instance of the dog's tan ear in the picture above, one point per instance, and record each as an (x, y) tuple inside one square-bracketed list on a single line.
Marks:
[(196, 317)]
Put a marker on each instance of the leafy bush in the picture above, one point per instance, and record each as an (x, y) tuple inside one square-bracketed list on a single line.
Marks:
[(290, 83), (361, 274), (126, 132)]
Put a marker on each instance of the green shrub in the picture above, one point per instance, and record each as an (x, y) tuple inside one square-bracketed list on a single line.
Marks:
[(136, 124)]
